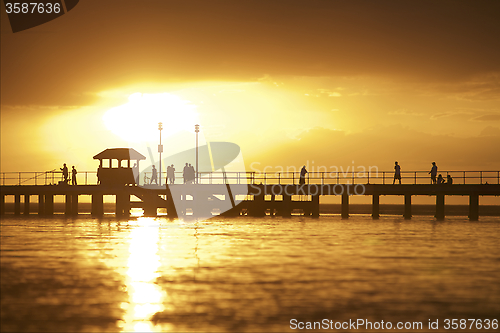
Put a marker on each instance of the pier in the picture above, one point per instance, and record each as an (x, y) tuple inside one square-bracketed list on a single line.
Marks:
[(238, 193)]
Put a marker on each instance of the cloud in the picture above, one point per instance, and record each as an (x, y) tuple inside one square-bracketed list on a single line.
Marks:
[(441, 115), (405, 112), (487, 117), (383, 145), (490, 131), (330, 93), (240, 41), (317, 133), (484, 87), (451, 114)]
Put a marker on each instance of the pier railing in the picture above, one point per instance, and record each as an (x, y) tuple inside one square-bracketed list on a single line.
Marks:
[(46, 178), (267, 178)]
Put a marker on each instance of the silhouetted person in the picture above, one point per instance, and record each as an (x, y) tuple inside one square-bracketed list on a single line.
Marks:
[(98, 175), (73, 175), (397, 173), (449, 180), (185, 173), (191, 173), (65, 173), (154, 176), (171, 174), (135, 172), (440, 179), (303, 172), (433, 172)]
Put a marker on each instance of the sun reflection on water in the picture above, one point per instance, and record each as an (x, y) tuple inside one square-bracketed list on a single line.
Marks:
[(143, 269)]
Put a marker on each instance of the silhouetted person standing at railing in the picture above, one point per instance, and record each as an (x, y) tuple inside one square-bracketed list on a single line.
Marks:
[(440, 179), (154, 176), (73, 175), (433, 172), (171, 174), (185, 173), (449, 180), (191, 173), (397, 173), (99, 175), (65, 173), (303, 172)]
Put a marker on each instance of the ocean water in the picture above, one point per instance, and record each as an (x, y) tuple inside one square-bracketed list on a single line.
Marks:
[(248, 274)]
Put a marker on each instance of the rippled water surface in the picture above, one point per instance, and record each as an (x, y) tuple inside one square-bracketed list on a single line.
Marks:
[(244, 274)]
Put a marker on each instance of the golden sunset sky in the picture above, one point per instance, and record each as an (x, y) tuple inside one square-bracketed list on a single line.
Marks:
[(290, 82)]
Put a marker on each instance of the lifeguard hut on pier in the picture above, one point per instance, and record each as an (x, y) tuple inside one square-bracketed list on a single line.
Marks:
[(115, 166)]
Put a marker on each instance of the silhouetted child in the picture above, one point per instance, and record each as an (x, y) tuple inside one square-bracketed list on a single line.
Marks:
[(449, 180), (433, 172), (73, 175), (303, 172), (440, 179), (397, 173)]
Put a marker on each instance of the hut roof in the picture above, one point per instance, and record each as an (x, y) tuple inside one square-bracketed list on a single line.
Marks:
[(120, 154)]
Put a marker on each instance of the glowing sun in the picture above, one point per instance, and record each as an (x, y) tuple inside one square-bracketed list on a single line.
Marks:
[(137, 120)]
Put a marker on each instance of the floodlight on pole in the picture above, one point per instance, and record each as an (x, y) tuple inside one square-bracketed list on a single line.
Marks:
[(160, 150), (196, 129)]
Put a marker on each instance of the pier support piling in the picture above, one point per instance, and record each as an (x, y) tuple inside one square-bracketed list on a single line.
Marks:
[(258, 207), (474, 207), (67, 206), (171, 211), (376, 206), (97, 205), (150, 209), (315, 206), (74, 204), (2, 204), (345, 206), (286, 207), (407, 213), (123, 205), (440, 206), (272, 205), (41, 204), (17, 204), (26, 204), (49, 204)]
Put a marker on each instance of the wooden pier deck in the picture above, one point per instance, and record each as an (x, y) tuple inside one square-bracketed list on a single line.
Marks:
[(250, 199)]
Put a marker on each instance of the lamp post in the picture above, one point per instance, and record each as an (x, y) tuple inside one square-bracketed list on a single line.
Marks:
[(196, 129), (160, 149)]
